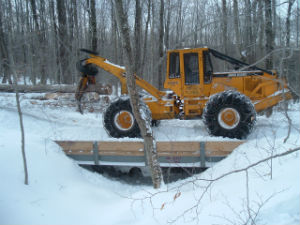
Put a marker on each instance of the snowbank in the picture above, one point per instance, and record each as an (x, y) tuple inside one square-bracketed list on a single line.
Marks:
[(61, 192)]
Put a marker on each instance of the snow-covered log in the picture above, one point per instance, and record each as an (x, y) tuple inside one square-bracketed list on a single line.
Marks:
[(99, 88)]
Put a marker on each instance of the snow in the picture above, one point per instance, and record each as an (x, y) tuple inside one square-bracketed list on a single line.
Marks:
[(115, 65), (61, 192)]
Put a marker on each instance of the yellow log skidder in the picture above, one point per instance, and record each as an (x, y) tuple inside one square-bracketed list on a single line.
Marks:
[(227, 101)]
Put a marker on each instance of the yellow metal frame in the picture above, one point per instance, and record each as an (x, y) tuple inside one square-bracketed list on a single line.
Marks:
[(119, 72), (160, 106)]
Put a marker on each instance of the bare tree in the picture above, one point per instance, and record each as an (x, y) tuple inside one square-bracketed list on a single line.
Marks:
[(93, 24), (63, 42), (248, 35), (137, 37), (237, 28), (224, 27), (144, 124), (15, 84), (269, 33), (152, 41), (146, 36), (114, 35), (297, 24), (3, 51), (161, 44), (167, 24), (288, 23), (49, 33)]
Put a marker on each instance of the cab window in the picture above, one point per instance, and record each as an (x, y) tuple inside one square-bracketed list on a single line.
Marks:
[(191, 68), (208, 69), (174, 65)]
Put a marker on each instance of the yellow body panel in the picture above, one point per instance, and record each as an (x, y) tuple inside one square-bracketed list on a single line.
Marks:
[(162, 110)]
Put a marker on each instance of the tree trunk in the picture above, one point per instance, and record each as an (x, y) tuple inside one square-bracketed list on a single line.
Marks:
[(196, 24), (269, 34), (224, 27), (167, 28), (146, 37), (4, 52), (114, 34), (93, 25), (274, 17), (237, 29), (297, 25), (153, 55), (15, 85), (179, 22), (34, 14), (42, 44), (34, 50), (288, 23), (261, 29), (62, 39), (55, 71), (161, 45), (137, 37), (248, 32), (144, 125)]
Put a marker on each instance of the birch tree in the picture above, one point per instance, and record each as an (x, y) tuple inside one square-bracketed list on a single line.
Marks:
[(144, 125)]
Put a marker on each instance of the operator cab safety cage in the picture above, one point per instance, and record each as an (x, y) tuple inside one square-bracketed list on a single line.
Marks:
[(190, 59)]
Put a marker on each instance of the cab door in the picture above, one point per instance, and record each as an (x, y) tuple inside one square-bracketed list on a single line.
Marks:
[(174, 71), (191, 82)]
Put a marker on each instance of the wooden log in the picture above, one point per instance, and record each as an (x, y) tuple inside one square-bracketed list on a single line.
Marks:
[(98, 88)]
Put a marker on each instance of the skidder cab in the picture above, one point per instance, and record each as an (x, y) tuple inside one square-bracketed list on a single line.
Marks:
[(204, 83)]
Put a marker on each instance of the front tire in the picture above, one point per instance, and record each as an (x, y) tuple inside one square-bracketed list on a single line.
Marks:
[(119, 120), (229, 114)]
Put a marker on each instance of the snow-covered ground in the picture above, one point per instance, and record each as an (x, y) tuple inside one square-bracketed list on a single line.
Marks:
[(61, 192)]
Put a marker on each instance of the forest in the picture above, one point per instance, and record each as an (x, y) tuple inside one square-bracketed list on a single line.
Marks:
[(195, 178), (43, 37)]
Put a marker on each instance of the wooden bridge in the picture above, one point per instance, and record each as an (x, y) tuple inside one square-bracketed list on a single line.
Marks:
[(131, 153)]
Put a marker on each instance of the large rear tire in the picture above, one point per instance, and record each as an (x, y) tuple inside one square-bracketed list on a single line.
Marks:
[(119, 120), (229, 114)]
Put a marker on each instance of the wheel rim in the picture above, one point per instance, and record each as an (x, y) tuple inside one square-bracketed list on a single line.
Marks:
[(229, 118), (124, 120)]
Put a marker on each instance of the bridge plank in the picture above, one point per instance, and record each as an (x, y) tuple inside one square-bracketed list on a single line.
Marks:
[(135, 148), (223, 148), (76, 147)]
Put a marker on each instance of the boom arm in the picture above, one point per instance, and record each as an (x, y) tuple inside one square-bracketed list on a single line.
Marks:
[(119, 72)]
